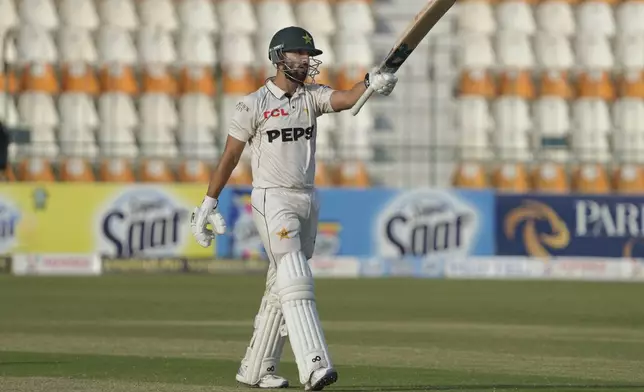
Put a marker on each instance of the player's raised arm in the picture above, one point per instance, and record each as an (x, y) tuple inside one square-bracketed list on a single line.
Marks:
[(241, 130), (382, 83)]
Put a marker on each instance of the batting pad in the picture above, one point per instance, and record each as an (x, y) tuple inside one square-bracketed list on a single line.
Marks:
[(265, 349), (294, 286)]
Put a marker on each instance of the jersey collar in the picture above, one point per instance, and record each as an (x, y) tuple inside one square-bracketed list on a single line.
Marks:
[(278, 92)]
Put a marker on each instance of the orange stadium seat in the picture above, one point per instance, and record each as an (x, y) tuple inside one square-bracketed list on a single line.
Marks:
[(158, 79), (477, 83), (511, 178), (264, 73), (556, 84), (325, 77), (79, 78), (323, 175), (631, 84), (9, 175), (194, 171), (550, 177), (238, 81), (119, 78), (610, 2), (116, 170), (36, 170), (197, 79), (40, 77), (517, 83), (354, 175), (596, 84), (591, 178), (238, 67), (241, 175), (629, 179), (12, 80), (155, 170), (531, 2), (76, 170), (470, 175), (348, 76)]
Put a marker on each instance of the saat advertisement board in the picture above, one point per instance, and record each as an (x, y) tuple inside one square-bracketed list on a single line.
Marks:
[(379, 222), (153, 221), (111, 220)]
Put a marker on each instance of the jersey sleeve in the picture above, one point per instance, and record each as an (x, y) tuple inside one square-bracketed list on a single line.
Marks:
[(322, 99), (242, 126)]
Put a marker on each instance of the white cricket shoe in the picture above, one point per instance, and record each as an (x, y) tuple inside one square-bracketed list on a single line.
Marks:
[(321, 378), (269, 381)]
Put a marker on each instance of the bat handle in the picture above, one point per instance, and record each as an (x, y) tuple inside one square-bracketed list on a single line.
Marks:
[(362, 100)]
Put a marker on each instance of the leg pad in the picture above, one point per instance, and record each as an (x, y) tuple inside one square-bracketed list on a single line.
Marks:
[(294, 287)]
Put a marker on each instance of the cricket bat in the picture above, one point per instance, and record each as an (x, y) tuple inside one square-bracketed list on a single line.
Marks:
[(423, 22)]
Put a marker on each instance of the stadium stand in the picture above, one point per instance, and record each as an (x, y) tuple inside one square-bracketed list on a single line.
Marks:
[(516, 94), (556, 90), (142, 90)]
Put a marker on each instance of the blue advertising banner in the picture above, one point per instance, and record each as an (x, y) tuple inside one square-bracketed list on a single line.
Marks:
[(385, 223), (570, 225)]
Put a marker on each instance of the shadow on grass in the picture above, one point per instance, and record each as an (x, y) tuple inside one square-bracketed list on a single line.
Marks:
[(500, 387)]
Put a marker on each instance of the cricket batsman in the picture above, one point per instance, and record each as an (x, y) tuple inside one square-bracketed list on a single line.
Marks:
[(278, 122)]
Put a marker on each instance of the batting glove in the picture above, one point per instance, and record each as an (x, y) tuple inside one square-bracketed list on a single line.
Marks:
[(382, 83), (204, 215)]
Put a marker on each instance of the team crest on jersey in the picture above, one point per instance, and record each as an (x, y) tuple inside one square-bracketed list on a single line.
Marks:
[(283, 234)]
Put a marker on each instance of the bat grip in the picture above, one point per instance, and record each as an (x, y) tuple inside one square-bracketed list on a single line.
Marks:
[(362, 100)]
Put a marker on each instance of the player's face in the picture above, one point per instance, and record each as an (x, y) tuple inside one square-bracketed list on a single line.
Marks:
[(297, 64)]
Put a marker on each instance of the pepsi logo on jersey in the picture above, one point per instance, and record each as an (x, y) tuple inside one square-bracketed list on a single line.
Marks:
[(290, 134), (275, 113)]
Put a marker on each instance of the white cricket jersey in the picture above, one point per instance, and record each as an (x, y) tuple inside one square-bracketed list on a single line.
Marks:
[(281, 133)]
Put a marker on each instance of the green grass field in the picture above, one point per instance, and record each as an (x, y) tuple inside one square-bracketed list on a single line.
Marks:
[(187, 333)]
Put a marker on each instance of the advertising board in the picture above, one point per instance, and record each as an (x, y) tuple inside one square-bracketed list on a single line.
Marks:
[(570, 225)]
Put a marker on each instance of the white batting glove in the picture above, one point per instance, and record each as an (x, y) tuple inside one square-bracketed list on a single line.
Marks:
[(203, 215), (382, 83)]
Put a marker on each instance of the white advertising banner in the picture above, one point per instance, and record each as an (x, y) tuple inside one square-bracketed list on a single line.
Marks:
[(56, 264)]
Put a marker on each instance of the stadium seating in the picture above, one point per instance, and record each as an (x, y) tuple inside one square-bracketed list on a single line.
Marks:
[(142, 90), (557, 87), (519, 95)]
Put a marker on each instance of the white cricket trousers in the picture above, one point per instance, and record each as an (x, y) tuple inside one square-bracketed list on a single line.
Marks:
[(287, 221)]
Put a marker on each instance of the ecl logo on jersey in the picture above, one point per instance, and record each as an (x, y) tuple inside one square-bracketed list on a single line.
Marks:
[(142, 222), (426, 223), (275, 113), (290, 134)]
